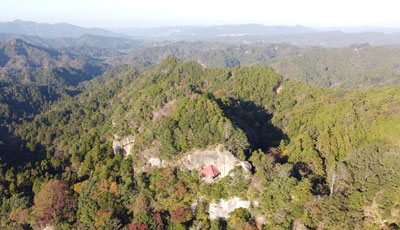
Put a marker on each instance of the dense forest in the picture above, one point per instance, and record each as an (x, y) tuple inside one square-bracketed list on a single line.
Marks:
[(113, 133), (356, 66), (359, 66), (119, 151)]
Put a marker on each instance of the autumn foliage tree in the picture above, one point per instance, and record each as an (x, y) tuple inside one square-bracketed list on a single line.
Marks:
[(240, 218), (181, 215), (134, 226), (54, 203)]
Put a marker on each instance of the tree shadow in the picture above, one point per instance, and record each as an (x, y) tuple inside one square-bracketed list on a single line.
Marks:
[(3, 58), (16, 152), (302, 170), (255, 121)]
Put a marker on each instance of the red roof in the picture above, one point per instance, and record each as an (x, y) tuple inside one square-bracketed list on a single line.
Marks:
[(210, 170)]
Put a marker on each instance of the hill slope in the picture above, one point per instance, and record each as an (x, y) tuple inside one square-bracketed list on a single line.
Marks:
[(17, 56), (85, 40), (356, 66), (321, 158), (46, 30)]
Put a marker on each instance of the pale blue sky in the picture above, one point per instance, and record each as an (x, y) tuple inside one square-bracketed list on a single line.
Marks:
[(145, 13)]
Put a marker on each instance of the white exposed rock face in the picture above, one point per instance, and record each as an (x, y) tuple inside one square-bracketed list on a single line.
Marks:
[(48, 228), (195, 204), (245, 165), (156, 162), (260, 221), (225, 161), (151, 158), (256, 203), (224, 207), (298, 225), (165, 110), (124, 146), (279, 89)]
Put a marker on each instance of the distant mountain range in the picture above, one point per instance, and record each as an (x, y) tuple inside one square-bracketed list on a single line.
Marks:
[(212, 31), (90, 40), (65, 35), (361, 29), (46, 30), (251, 33)]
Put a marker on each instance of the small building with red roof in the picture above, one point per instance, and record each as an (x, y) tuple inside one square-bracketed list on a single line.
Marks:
[(210, 171)]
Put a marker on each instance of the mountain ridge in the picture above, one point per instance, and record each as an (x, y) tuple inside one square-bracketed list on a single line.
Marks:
[(213, 30), (18, 56), (48, 30)]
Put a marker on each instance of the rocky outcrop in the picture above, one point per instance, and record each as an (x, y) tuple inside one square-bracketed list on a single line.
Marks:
[(193, 207), (260, 221), (279, 89), (298, 225), (156, 162), (224, 160), (222, 208), (151, 159), (48, 227), (165, 111), (124, 146)]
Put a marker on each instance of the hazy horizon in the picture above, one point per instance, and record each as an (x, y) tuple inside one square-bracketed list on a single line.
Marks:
[(156, 13), (322, 28)]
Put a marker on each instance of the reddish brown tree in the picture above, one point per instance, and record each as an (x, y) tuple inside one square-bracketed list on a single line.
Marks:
[(181, 215), (134, 226), (160, 223), (53, 203)]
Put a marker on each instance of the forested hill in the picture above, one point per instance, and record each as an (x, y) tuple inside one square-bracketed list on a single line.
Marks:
[(17, 56), (32, 77), (47, 30), (357, 66), (321, 158), (85, 40), (211, 55)]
